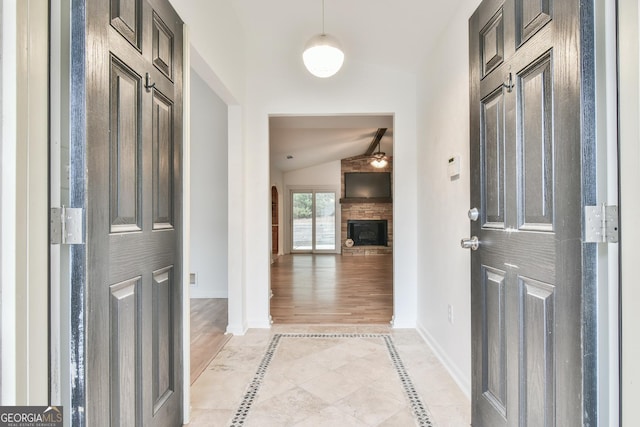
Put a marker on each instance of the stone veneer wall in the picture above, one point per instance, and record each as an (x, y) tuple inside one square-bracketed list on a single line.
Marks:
[(366, 210)]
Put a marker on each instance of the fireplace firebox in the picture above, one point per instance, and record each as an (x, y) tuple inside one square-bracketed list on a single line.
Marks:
[(369, 232)]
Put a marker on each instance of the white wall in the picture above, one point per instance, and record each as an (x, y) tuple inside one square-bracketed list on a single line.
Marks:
[(278, 86), (327, 174), (216, 34), (218, 55), (443, 129), (208, 191)]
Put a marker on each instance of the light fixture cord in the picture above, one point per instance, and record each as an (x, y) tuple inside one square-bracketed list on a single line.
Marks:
[(322, 17)]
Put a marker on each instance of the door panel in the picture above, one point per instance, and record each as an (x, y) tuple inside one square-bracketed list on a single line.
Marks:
[(537, 337), (163, 149), (125, 168), (125, 352), (493, 152), (526, 161), (531, 16), (163, 46), (131, 83), (494, 345), (163, 339), (325, 221), (302, 221), (492, 43), (535, 157), (125, 18)]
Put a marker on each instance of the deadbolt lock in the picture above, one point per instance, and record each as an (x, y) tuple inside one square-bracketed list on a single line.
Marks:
[(473, 214)]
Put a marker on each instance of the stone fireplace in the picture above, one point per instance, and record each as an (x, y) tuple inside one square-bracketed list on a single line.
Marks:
[(363, 219)]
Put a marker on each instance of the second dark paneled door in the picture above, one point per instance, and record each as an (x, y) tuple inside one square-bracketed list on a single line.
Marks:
[(529, 171), (128, 73)]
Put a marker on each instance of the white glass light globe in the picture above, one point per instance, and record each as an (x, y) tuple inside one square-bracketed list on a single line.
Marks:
[(379, 158), (322, 56)]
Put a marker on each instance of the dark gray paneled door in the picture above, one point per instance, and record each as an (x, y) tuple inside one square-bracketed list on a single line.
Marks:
[(131, 64), (528, 173)]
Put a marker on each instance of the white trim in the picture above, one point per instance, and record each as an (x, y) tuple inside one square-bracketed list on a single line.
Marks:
[(607, 192), (8, 202), (455, 372), (186, 224), (402, 324), (236, 222), (55, 303), (608, 259), (629, 75)]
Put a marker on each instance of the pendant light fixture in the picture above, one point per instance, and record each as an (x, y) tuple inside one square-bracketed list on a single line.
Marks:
[(322, 55), (379, 158)]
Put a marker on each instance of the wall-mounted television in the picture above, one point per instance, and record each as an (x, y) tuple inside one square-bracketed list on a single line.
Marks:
[(367, 185)]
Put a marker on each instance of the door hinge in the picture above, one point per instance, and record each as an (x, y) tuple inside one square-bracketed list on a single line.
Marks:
[(601, 224), (66, 226)]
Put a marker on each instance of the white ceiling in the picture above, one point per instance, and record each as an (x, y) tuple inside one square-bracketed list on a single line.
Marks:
[(313, 140), (389, 33), (396, 34)]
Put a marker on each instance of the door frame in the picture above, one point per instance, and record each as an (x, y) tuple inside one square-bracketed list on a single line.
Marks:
[(628, 15), (24, 205), (7, 201), (186, 224), (290, 189), (607, 191)]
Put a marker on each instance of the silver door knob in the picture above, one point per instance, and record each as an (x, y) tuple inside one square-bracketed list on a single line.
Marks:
[(473, 243), (473, 214)]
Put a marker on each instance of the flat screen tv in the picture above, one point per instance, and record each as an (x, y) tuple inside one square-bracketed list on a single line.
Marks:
[(367, 185)]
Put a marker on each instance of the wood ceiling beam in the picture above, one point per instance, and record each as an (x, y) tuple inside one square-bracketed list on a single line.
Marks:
[(376, 139)]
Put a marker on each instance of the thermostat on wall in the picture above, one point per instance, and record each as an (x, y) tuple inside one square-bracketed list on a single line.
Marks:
[(453, 166)]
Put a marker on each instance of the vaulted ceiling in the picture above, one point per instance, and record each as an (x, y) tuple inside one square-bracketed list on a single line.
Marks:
[(298, 142)]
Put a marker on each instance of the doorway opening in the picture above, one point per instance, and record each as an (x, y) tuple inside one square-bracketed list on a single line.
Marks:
[(208, 204), (320, 278), (313, 221)]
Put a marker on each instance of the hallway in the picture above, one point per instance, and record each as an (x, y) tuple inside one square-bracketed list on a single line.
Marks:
[(332, 289), (331, 314), (352, 383)]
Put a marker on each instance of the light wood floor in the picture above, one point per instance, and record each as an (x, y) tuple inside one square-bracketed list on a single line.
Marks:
[(208, 325), (332, 289)]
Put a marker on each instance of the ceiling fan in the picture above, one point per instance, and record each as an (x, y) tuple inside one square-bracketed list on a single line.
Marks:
[(378, 158)]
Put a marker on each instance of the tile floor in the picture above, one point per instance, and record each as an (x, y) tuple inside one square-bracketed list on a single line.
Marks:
[(326, 383)]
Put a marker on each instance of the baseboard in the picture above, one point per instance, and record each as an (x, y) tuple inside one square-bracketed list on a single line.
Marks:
[(237, 329), (402, 324), (259, 323), (454, 371)]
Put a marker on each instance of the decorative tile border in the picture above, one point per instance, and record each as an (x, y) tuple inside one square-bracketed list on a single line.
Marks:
[(419, 409)]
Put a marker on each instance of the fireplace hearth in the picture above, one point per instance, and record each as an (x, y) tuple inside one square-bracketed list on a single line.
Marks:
[(367, 232)]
